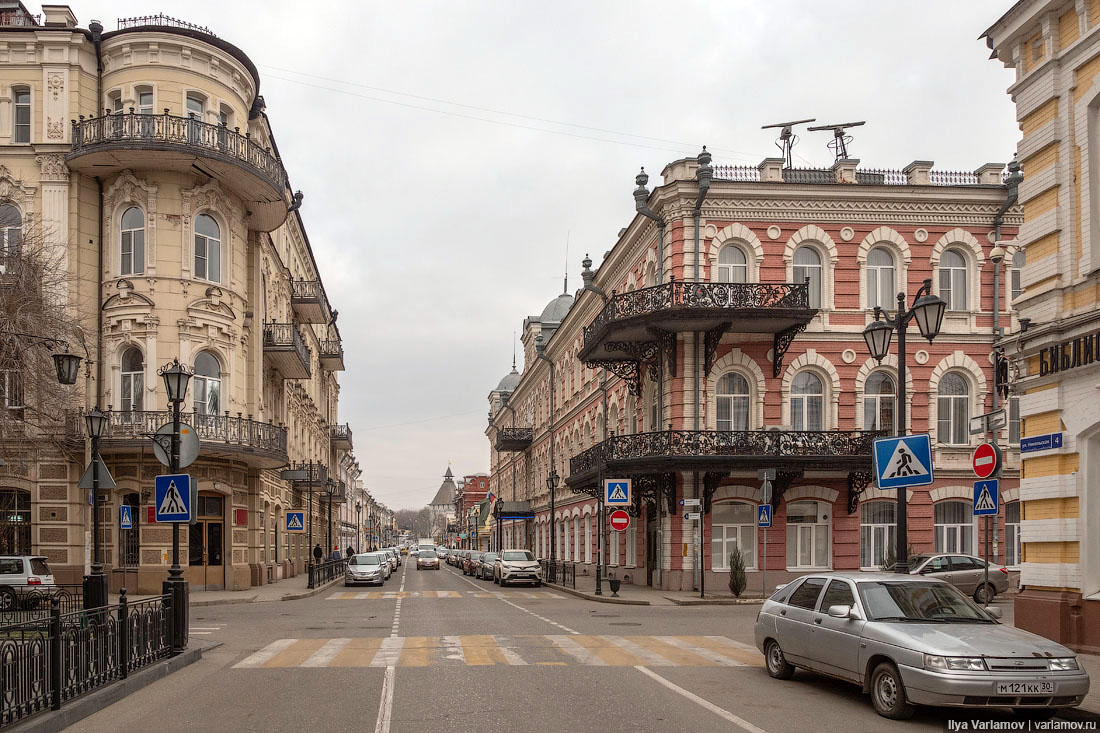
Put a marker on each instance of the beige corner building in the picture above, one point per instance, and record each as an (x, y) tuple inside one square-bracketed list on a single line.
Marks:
[(1054, 47), (145, 152)]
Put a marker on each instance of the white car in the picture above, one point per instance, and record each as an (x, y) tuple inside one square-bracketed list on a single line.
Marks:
[(517, 566), (20, 575)]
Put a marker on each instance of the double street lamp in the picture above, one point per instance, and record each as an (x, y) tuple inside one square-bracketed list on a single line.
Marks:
[(927, 310), (95, 585)]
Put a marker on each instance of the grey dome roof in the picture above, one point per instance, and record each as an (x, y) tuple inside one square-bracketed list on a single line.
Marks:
[(510, 382), (556, 309)]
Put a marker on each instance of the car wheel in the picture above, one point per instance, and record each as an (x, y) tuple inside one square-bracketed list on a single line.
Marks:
[(888, 693), (984, 594), (777, 664)]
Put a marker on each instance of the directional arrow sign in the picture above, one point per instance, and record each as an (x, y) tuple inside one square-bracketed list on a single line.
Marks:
[(173, 497)]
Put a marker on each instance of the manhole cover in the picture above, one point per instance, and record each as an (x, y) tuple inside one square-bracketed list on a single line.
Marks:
[(623, 623)]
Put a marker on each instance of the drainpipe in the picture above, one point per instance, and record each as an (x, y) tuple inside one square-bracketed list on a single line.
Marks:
[(540, 353), (96, 29), (702, 175)]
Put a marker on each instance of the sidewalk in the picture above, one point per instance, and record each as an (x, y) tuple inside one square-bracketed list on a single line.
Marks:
[(288, 589), (644, 595), (1091, 664)]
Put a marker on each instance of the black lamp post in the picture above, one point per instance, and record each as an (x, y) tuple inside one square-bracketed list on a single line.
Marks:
[(358, 526), (176, 376), (552, 485), (927, 311), (95, 585)]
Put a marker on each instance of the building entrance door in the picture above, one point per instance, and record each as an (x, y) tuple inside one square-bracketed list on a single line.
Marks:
[(206, 542)]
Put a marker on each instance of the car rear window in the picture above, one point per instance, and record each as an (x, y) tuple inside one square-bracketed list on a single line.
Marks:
[(365, 560), (489, 556), (39, 566), (807, 593)]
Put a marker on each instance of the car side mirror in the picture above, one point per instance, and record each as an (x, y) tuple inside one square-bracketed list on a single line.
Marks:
[(842, 611), (993, 611)]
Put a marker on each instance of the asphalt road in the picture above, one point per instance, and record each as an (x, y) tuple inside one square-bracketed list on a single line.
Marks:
[(433, 651)]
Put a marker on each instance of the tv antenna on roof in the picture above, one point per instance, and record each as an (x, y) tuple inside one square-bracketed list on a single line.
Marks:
[(786, 140), (839, 145)]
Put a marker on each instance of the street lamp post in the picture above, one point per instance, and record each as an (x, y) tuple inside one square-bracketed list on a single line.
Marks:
[(176, 377), (552, 485), (358, 526), (330, 489), (927, 311), (95, 585)]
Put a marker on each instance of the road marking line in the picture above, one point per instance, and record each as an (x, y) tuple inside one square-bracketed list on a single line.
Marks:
[(389, 652), (540, 618), (325, 654), (191, 632), (575, 650), (269, 651), (385, 707), (294, 655), (720, 659), (720, 712), (735, 644), (452, 648), (651, 658), (207, 628), (509, 653), (729, 648)]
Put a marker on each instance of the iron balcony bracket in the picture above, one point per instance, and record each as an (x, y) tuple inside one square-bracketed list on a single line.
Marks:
[(711, 339), (782, 342), (666, 344), (627, 370), (858, 481), (711, 480), (782, 482)]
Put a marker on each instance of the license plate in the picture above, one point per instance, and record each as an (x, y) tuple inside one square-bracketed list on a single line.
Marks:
[(1025, 688)]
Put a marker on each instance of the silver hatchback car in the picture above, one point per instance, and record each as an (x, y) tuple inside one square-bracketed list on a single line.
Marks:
[(911, 640)]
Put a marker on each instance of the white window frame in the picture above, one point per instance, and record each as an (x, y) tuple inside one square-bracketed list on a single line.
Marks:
[(588, 538), (1015, 275), (143, 109), (949, 401), (577, 537), (735, 401), (879, 292), (799, 273), (726, 272), (207, 381), (887, 530), (613, 547), (209, 244), (1012, 538), (801, 400), (631, 547), (816, 563), (877, 399), (1014, 424), (126, 238), (15, 107), (954, 295), (732, 533), (126, 384), (943, 531)]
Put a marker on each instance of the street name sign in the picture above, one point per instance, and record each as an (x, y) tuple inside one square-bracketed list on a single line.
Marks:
[(296, 521), (986, 460), (986, 497), (620, 520), (616, 491), (988, 422), (903, 461), (125, 517), (1034, 443), (692, 516), (764, 516), (690, 503), (173, 497)]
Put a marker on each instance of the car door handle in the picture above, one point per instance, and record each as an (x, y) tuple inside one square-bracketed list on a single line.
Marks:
[(817, 620), (783, 612)]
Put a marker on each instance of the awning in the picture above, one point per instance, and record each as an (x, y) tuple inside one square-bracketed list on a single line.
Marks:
[(514, 510)]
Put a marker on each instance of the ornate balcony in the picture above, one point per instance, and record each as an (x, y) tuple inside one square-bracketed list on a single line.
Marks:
[(220, 436), (106, 145), (304, 475), (332, 355), (341, 436), (514, 439), (337, 492), (307, 298), (639, 327), (286, 350)]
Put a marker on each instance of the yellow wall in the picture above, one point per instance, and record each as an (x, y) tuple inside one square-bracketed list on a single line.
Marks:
[(1068, 507), (1041, 159), (1042, 423), (1068, 30), (1038, 117), (1041, 204), (1056, 465), (1085, 74), (1052, 552)]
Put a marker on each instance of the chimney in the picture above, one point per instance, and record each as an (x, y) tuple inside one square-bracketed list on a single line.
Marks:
[(845, 170), (771, 170), (58, 16), (918, 173), (990, 174)]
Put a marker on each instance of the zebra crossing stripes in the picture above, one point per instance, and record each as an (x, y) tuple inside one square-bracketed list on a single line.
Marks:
[(393, 595), (488, 650)]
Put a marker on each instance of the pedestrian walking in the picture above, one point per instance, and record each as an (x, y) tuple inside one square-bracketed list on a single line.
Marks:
[(350, 551), (318, 553)]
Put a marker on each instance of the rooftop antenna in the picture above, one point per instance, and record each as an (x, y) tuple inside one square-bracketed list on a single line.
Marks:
[(566, 286), (839, 145), (786, 140)]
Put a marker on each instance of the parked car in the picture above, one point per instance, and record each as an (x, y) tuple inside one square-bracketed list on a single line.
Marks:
[(442, 551), (20, 575), (965, 572), (368, 567), (914, 641), (427, 559), (396, 554), (485, 565), (470, 562), (517, 566)]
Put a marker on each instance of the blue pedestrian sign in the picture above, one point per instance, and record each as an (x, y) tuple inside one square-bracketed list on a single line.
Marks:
[(616, 491), (1049, 441), (903, 461), (173, 496), (764, 516), (125, 517), (295, 521), (986, 497)]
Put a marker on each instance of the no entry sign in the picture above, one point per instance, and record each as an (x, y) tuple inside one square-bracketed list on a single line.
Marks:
[(620, 520), (986, 460)]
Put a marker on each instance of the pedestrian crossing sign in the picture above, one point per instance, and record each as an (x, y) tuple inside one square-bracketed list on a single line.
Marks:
[(985, 497), (295, 521), (764, 516), (173, 497), (616, 491), (903, 461), (125, 517)]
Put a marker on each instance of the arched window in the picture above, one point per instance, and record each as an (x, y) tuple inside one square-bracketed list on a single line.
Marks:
[(613, 420), (15, 522), (953, 526), (133, 242), (588, 538), (208, 249), (732, 395), (208, 384), (733, 524), (1012, 534), (654, 426), (733, 267), (1015, 283), (953, 280), (129, 540), (877, 533), (808, 534), (807, 266), (133, 380), (11, 236), (878, 402), (577, 539), (651, 275), (953, 409), (807, 402), (880, 278)]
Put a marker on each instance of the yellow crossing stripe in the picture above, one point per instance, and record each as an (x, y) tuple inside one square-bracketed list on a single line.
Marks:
[(374, 595), (485, 650)]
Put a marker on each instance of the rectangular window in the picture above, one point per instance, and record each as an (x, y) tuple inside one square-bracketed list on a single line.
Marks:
[(613, 547), (11, 390), (631, 547), (200, 257), (813, 273), (1014, 420), (145, 103), (21, 129), (214, 260), (133, 252), (1012, 534)]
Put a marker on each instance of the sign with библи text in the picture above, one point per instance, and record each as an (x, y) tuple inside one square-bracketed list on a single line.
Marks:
[(1078, 352)]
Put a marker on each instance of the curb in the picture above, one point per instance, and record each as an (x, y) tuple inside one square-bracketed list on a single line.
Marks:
[(93, 702), (716, 601), (308, 593), (226, 602), (597, 599)]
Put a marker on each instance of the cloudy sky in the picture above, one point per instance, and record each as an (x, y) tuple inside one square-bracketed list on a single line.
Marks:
[(448, 150)]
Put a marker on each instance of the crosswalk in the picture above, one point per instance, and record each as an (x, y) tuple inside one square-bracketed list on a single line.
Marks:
[(497, 650), (204, 630), (395, 594)]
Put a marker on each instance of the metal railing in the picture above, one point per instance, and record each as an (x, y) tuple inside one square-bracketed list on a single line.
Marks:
[(45, 662), (162, 20), (305, 290), (822, 444), (23, 603), (281, 335), (211, 428), (20, 20), (866, 176), (559, 572), (325, 572), (331, 348), (341, 431), (682, 294), (197, 137)]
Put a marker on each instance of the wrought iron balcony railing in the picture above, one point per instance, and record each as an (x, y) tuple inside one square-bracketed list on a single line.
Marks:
[(160, 19), (186, 133), (773, 446), (285, 338), (341, 435), (514, 439), (224, 430)]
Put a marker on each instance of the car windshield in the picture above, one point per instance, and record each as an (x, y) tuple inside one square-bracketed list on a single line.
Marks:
[(517, 556), (364, 560), (928, 602), (39, 566), (489, 557), (428, 554)]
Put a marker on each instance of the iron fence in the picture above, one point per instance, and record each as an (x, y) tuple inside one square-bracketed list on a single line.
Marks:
[(324, 572), (559, 572), (211, 428), (45, 662), (23, 603), (162, 20)]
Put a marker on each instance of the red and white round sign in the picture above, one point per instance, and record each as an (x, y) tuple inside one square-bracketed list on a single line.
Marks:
[(986, 460), (620, 520)]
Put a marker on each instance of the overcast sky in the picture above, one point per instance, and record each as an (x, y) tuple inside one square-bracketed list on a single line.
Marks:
[(447, 151)]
